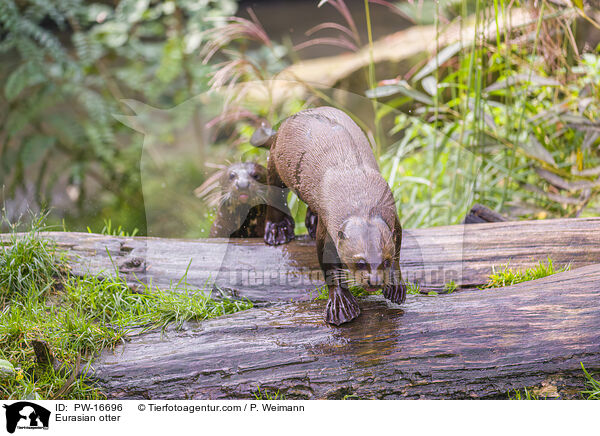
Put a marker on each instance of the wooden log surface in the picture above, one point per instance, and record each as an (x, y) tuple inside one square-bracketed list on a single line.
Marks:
[(433, 257), (474, 344)]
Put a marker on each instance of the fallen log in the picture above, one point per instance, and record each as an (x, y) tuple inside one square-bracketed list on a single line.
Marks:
[(433, 257), (475, 344)]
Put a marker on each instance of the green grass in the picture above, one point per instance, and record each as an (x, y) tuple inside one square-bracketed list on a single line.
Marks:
[(593, 386), (412, 288), (28, 265), (77, 316), (506, 276), (110, 230), (450, 287), (592, 391), (265, 394), (523, 395), (357, 291)]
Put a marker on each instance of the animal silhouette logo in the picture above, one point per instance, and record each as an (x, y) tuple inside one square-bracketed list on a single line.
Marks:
[(24, 414)]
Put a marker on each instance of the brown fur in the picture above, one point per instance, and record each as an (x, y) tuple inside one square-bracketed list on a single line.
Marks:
[(327, 160), (236, 218)]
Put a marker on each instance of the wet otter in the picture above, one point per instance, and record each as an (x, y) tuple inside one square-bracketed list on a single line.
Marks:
[(239, 192), (326, 159)]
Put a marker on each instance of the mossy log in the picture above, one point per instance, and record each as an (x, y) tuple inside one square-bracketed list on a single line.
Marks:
[(474, 344)]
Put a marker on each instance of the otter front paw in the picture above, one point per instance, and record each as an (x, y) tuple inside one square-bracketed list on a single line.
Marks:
[(279, 232), (396, 293), (311, 222), (342, 307)]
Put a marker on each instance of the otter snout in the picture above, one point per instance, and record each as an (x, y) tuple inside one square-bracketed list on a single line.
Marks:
[(242, 183), (375, 278)]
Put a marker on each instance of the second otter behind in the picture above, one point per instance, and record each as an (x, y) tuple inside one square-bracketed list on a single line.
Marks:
[(323, 156), (239, 192)]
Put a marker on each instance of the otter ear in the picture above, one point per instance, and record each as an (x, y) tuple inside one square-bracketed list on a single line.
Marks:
[(341, 235)]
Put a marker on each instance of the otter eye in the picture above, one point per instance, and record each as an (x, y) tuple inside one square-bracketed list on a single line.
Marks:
[(255, 176), (387, 263), (361, 264), (232, 176)]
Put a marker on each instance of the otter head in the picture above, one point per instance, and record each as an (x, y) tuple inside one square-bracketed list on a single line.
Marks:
[(240, 184), (244, 183), (366, 246)]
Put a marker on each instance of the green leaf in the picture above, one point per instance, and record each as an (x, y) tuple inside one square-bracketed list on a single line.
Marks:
[(112, 33), (7, 370), (24, 76), (171, 60), (444, 54), (530, 79), (430, 85), (132, 11), (35, 147), (399, 88)]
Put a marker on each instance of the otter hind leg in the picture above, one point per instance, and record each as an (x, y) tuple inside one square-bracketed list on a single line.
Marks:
[(341, 307), (311, 221), (279, 224)]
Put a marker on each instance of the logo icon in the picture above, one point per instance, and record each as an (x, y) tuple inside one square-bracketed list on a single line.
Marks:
[(26, 415)]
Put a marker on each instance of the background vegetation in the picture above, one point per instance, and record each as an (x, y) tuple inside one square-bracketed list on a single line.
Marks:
[(509, 121)]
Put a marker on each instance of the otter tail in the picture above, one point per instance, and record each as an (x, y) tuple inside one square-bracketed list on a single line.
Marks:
[(263, 136)]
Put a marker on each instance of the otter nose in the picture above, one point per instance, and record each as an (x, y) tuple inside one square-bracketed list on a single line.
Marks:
[(373, 280), (242, 183)]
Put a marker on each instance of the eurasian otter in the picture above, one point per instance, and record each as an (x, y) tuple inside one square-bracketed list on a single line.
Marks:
[(326, 159), (239, 193)]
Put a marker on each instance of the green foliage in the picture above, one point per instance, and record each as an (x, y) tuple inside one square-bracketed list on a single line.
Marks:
[(504, 125), (507, 122), (506, 276), (67, 64), (265, 394)]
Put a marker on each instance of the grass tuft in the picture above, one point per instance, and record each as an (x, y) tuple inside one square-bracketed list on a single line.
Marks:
[(357, 291), (524, 395), (413, 288), (29, 266), (265, 394), (593, 386), (450, 287), (109, 230), (507, 276)]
